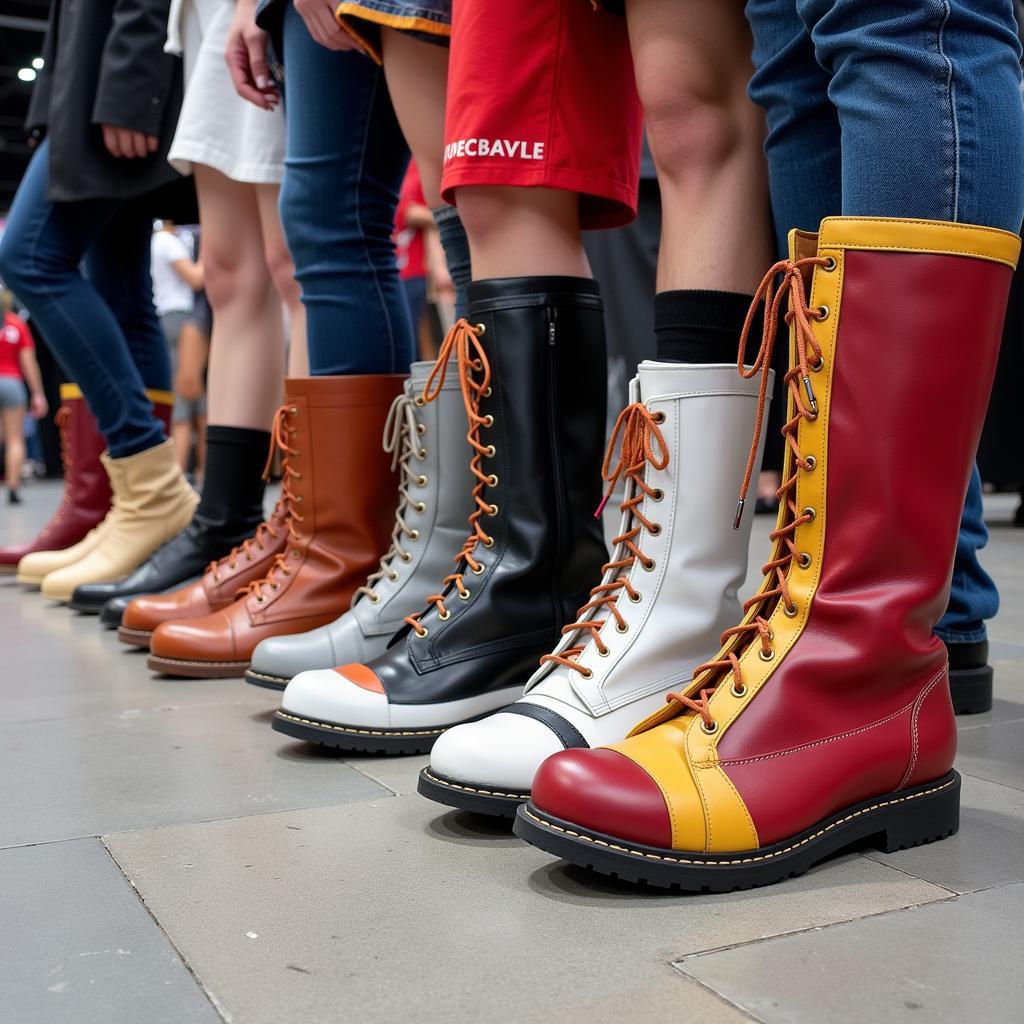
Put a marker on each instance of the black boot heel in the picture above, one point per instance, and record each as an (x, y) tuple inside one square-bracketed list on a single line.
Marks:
[(932, 814), (971, 689)]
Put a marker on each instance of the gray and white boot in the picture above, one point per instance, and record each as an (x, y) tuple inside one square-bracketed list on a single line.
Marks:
[(666, 595), (428, 444)]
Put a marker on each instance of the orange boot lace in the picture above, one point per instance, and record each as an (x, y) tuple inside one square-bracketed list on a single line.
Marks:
[(280, 434), (798, 381), (475, 379), (637, 429)]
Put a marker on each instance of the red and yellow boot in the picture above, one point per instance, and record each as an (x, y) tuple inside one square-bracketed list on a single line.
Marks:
[(826, 718)]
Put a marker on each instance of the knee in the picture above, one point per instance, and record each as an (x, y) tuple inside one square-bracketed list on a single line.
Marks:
[(231, 276), (14, 268), (697, 114), (488, 213), (282, 269)]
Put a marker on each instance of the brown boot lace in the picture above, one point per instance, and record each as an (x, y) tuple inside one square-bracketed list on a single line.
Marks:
[(280, 434), (475, 379), (401, 431), (798, 381), (639, 432)]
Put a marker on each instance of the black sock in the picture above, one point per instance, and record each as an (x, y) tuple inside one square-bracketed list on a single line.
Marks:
[(702, 326), (231, 506)]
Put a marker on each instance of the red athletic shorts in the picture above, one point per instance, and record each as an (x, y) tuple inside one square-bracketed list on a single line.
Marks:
[(542, 93)]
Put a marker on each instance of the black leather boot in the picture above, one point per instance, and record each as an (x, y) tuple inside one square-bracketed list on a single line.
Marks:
[(970, 677), (531, 355), (230, 510)]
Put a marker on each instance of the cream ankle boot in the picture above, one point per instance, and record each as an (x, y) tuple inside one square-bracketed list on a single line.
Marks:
[(152, 502)]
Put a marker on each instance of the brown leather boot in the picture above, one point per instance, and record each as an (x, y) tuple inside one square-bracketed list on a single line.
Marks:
[(219, 586), (338, 490)]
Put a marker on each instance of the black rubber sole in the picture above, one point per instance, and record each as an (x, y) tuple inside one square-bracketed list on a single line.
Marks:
[(267, 682), (466, 797), (892, 822), (85, 609), (971, 689), (356, 739)]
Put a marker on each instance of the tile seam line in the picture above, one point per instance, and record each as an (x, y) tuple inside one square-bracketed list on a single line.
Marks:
[(218, 1007), (950, 897), (725, 1000)]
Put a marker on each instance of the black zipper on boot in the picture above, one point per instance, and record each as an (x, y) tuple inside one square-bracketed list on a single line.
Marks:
[(555, 443)]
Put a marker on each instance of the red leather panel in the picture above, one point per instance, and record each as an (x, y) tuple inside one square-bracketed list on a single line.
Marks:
[(606, 791), (915, 356), (933, 741)]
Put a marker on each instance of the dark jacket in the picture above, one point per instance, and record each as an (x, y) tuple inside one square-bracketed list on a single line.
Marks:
[(104, 64)]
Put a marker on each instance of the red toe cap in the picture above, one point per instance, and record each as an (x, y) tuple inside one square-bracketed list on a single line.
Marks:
[(605, 791)]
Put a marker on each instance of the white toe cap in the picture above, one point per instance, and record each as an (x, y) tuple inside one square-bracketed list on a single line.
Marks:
[(501, 750), (325, 695)]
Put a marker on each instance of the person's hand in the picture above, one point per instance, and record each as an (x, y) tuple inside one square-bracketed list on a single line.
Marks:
[(123, 142), (323, 26), (38, 407), (246, 54)]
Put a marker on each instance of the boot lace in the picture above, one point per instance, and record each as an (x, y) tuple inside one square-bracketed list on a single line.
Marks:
[(775, 587), (401, 430), (63, 421), (475, 380), (250, 548), (280, 435), (637, 434)]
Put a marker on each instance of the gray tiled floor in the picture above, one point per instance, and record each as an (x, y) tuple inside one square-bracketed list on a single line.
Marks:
[(274, 883)]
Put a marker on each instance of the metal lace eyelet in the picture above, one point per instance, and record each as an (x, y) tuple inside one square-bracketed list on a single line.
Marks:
[(464, 595), (445, 615), (708, 730), (375, 598), (658, 417), (298, 500), (655, 529), (738, 691), (392, 576), (295, 454), (415, 535), (621, 627), (418, 400), (422, 455), (260, 599), (422, 632), (405, 557), (296, 554), (421, 480), (232, 566), (275, 586), (492, 511), (293, 411), (810, 513), (586, 673), (490, 451), (480, 570), (420, 506), (649, 566), (421, 429), (809, 463), (657, 494), (766, 655), (248, 558), (481, 328), (829, 265), (819, 365), (604, 653), (821, 313), (492, 480), (488, 420), (804, 561), (790, 612), (488, 542), (488, 391), (636, 598)]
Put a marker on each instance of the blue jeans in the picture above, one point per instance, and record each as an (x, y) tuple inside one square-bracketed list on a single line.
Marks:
[(905, 108), (102, 328), (345, 160)]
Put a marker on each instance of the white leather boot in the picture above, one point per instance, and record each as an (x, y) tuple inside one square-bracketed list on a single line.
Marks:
[(668, 592), (428, 442)]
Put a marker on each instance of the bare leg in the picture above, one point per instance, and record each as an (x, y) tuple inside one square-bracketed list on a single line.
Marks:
[(282, 271), (14, 445), (523, 232), (181, 436), (247, 345), (692, 68)]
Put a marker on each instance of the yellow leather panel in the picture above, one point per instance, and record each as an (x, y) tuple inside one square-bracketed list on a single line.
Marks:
[(70, 391), (935, 236), (160, 397)]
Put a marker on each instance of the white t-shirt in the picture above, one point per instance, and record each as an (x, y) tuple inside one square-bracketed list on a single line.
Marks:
[(171, 292)]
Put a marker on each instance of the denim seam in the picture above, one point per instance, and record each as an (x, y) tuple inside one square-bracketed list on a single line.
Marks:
[(950, 96), (367, 121)]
